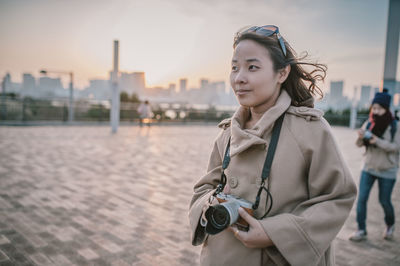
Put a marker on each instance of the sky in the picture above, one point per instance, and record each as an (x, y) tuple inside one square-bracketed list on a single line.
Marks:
[(173, 39)]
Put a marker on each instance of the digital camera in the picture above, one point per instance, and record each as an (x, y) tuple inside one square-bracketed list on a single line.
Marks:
[(367, 135), (226, 213)]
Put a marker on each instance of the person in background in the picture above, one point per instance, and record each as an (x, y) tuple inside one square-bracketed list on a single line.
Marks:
[(144, 111), (301, 202), (381, 138)]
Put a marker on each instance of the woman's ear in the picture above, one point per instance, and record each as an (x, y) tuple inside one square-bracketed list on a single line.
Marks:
[(283, 74)]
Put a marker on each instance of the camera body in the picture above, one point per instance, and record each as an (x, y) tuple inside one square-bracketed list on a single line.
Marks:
[(367, 135), (226, 213)]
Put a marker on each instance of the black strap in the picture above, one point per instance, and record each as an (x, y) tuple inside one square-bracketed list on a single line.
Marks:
[(272, 147), (225, 163), (267, 164), (227, 156)]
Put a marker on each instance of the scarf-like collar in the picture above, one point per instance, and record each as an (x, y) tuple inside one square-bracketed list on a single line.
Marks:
[(242, 139), (379, 123)]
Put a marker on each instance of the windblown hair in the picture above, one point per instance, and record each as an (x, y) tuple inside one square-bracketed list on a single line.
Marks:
[(301, 84)]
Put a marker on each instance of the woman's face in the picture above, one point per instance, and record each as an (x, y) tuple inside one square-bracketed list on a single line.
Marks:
[(377, 109), (253, 78)]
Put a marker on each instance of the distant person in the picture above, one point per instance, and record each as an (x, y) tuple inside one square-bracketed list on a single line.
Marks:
[(381, 138), (144, 111), (300, 193)]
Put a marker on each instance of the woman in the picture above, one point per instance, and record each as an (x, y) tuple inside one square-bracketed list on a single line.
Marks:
[(309, 191), (144, 111), (380, 137)]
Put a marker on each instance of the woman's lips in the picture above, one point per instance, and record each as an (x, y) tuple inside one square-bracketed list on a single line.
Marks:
[(242, 92)]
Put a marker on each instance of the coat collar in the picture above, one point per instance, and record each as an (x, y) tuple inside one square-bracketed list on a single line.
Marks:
[(242, 139)]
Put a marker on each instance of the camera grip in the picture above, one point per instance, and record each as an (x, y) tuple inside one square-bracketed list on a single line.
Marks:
[(241, 223)]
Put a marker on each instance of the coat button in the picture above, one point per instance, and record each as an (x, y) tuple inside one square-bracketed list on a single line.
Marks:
[(233, 182)]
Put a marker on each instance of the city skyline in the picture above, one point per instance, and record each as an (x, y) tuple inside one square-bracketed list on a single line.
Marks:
[(187, 39), (211, 93)]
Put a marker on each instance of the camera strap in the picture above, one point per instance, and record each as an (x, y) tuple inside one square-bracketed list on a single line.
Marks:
[(225, 163), (267, 164)]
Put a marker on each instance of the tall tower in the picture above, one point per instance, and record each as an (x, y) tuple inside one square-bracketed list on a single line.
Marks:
[(392, 46)]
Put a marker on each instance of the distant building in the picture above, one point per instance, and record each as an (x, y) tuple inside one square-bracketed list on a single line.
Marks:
[(336, 90), (365, 96), (336, 100), (9, 86), (99, 89), (48, 87), (203, 83), (7, 83), (182, 85), (132, 82), (29, 85)]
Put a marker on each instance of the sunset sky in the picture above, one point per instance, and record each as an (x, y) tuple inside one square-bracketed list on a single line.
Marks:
[(172, 39)]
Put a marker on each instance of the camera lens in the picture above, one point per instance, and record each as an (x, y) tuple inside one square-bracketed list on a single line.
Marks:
[(220, 216), (367, 135), (218, 219)]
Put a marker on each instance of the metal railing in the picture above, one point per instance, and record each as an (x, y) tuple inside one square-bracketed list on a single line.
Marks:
[(27, 110)]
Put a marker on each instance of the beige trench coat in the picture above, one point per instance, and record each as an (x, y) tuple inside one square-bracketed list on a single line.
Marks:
[(311, 186)]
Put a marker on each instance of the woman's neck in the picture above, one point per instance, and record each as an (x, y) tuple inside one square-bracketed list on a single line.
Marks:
[(256, 112)]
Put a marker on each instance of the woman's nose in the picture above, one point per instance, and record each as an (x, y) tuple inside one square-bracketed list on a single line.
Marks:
[(240, 77)]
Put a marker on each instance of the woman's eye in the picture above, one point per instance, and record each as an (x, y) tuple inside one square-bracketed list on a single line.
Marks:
[(234, 68), (253, 67)]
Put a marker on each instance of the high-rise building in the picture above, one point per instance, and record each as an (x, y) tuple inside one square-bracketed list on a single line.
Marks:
[(365, 96), (47, 87), (392, 46), (28, 85), (203, 83), (132, 82), (337, 100), (182, 85), (336, 92), (6, 83), (9, 86)]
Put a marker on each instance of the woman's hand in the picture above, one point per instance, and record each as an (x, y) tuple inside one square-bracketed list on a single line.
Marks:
[(372, 140), (360, 133), (255, 237)]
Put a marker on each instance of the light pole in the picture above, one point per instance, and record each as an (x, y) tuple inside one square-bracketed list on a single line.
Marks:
[(115, 98), (71, 91)]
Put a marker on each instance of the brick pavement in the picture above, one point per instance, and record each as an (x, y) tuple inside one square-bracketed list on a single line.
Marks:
[(81, 196)]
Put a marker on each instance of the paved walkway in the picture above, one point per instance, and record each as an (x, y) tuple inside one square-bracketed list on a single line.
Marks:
[(81, 196)]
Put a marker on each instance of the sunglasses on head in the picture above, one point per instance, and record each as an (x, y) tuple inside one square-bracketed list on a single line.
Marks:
[(268, 30)]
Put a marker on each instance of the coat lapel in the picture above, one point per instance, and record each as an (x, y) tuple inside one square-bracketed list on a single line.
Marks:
[(242, 139)]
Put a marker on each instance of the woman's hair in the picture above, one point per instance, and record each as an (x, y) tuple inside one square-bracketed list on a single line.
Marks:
[(296, 83)]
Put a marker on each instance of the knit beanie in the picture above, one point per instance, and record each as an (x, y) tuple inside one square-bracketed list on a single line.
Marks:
[(382, 98)]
